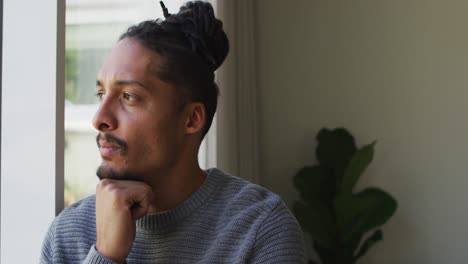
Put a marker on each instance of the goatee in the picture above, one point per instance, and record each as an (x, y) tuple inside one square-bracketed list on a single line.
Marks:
[(106, 173)]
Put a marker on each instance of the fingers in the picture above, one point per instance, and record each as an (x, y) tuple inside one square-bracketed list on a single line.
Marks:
[(133, 195)]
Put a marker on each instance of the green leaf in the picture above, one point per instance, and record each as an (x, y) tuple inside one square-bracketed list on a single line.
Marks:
[(334, 150), (368, 243), (317, 220), (335, 255), (358, 214), (314, 183), (356, 166)]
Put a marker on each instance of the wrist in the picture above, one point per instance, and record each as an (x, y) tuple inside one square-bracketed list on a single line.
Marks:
[(114, 258)]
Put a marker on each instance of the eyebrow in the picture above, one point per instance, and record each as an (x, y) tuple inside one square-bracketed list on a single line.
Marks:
[(125, 83)]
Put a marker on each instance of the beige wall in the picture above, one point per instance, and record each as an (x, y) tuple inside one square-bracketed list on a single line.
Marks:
[(395, 71)]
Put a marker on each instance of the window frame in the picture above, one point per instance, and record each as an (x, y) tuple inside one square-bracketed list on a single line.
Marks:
[(32, 111)]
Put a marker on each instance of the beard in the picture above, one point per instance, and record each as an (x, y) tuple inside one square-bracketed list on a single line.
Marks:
[(108, 173), (104, 172)]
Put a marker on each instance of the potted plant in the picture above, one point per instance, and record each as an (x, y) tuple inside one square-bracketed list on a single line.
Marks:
[(342, 223)]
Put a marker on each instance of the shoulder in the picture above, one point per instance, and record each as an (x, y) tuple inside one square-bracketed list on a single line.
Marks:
[(242, 193), (78, 217), (243, 198), (71, 234), (84, 208), (277, 234)]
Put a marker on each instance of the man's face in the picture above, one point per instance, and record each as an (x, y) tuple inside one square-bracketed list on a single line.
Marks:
[(139, 118)]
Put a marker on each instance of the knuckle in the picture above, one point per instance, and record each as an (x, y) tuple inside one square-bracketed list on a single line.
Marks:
[(104, 182), (116, 192), (107, 186), (147, 189)]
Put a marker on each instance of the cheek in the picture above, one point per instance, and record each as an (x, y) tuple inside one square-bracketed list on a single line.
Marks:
[(165, 142), (152, 144), (146, 142), (155, 141)]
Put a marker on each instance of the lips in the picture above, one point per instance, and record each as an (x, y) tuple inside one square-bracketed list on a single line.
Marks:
[(110, 145), (107, 149)]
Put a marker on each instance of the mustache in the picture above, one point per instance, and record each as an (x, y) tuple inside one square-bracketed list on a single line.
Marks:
[(113, 140)]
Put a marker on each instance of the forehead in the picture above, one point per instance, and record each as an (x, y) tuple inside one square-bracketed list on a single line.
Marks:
[(129, 58)]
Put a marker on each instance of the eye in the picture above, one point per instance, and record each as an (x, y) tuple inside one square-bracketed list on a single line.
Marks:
[(99, 95), (129, 97)]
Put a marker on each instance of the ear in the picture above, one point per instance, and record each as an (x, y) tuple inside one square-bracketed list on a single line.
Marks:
[(196, 118)]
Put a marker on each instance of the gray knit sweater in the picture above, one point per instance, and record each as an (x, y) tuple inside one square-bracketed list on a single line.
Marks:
[(228, 220)]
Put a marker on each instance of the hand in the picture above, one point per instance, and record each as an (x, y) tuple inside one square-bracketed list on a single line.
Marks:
[(118, 205)]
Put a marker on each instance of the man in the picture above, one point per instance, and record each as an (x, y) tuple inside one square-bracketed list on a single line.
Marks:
[(154, 204)]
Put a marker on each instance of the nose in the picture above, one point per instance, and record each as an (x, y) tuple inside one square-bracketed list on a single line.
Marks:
[(104, 119)]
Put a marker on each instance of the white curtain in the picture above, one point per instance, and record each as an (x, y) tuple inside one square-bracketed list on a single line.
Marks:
[(233, 146)]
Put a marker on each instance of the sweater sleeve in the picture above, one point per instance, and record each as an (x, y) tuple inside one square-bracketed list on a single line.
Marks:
[(47, 246), (95, 258), (48, 250), (279, 239)]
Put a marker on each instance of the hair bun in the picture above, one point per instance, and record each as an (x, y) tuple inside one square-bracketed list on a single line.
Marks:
[(204, 31)]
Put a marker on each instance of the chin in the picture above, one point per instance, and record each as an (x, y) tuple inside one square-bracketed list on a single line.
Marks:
[(104, 172)]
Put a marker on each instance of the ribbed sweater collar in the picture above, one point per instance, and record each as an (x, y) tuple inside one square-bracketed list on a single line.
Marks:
[(187, 207)]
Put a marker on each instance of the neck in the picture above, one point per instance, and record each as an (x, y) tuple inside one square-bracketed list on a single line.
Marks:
[(174, 185)]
